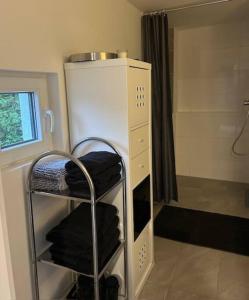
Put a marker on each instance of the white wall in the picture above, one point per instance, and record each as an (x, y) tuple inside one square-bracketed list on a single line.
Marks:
[(6, 278), (211, 77), (37, 36)]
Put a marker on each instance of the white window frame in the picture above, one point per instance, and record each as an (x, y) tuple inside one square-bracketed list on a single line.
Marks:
[(37, 84)]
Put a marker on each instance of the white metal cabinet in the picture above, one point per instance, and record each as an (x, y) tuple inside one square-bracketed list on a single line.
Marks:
[(111, 99)]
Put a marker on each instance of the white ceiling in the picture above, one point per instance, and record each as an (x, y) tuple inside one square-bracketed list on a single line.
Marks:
[(150, 5)]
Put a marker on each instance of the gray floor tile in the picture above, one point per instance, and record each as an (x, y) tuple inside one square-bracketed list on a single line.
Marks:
[(153, 291), (183, 295), (166, 249), (162, 272), (233, 280), (213, 196), (196, 271)]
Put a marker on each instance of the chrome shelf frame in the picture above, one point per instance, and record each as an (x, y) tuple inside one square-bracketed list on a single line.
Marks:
[(93, 200)]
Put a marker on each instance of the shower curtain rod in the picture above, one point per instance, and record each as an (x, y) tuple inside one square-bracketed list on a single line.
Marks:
[(185, 7)]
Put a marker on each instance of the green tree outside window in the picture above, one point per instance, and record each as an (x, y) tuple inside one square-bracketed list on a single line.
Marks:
[(10, 120)]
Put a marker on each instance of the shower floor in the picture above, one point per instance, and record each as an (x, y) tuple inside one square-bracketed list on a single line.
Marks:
[(224, 197)]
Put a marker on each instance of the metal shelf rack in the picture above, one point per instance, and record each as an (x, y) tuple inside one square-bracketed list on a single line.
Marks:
[(93, 200)]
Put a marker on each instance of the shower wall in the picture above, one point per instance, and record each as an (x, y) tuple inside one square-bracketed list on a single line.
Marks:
[(211, 81)]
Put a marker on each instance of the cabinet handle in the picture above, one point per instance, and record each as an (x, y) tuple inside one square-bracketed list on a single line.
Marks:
[(141, 166), (140, 140)]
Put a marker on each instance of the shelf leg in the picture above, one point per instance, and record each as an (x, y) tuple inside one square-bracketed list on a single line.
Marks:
[(125, 233), (32, 244), (95, 250)]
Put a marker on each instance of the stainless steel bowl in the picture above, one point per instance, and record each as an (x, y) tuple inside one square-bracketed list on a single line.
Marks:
[(92, 56)]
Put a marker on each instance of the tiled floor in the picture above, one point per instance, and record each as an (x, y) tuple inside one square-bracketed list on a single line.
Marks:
[(216, 196), (188, 272)]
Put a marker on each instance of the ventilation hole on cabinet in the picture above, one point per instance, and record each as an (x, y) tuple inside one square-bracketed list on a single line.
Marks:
[(142, 257)]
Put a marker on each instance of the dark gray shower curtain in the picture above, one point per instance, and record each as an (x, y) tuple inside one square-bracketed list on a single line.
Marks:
[(155, 51)]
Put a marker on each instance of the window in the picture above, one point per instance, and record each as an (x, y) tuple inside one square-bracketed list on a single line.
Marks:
[(26, 120), (18, 119)]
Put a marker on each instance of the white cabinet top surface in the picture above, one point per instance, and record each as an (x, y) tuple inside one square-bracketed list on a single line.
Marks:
[(109, 63)]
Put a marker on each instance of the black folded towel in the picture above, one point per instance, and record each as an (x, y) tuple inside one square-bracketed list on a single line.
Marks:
[(80, 251), (95, 162), (77, 227), (84, 289), (76, 178), (67, 239), (85, 192), (85, 265), (111, 288)]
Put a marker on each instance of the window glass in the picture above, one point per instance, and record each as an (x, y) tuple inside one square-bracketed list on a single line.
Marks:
[(18, 119)]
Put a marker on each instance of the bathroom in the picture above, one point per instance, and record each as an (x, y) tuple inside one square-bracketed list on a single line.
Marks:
[(207, 76)]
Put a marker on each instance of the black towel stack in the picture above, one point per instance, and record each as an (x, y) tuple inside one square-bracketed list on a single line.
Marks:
[(104, 168), (72, 238)]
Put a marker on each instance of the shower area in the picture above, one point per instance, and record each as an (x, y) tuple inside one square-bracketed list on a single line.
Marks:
[(210, 79)]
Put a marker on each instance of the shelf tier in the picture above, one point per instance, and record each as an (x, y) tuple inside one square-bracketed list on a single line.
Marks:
[(45, 258), (67, 195)]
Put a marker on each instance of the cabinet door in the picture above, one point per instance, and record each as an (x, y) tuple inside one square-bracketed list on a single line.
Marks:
[(139, 96)]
